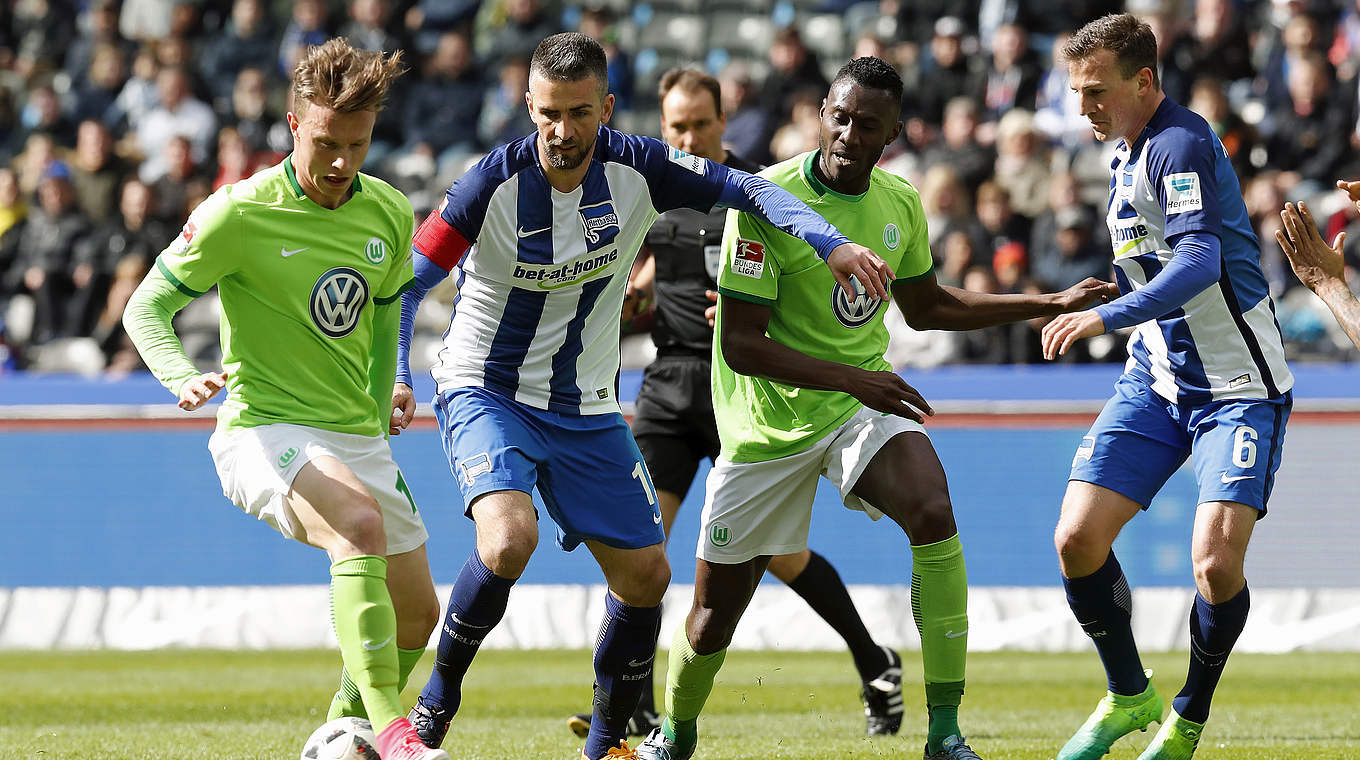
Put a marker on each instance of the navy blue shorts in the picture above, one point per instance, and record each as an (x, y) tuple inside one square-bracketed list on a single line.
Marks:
[(1140, 439), (587, 468)]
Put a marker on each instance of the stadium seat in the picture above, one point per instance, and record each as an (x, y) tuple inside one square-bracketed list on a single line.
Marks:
[(681, 33), (740, 33), (824, 34)]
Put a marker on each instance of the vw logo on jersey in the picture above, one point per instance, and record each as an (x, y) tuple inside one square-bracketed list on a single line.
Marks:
[(853, 312), (338, 298), (375, 251), (891, 236)]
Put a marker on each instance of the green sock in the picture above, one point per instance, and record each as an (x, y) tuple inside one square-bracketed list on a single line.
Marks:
[(366, 627), (689, 681), (939, 602), (347, 701)]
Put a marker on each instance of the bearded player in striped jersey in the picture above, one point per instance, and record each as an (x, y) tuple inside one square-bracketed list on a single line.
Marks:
[(550, 225)]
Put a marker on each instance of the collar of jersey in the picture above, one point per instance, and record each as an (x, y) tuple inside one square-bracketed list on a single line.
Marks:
[(1155, 122), (297, 189), (817, 186)]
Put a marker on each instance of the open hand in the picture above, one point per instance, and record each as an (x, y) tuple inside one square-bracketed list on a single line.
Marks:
[(196, 392), (1314, 262), (1067, 329)]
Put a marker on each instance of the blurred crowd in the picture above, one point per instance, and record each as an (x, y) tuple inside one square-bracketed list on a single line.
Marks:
[(117, 118)]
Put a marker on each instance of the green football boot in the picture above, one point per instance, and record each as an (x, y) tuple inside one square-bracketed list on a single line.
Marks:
[(1115, 716), (1175, 740)]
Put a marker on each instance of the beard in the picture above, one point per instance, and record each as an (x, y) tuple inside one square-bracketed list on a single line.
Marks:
[(567, 159)]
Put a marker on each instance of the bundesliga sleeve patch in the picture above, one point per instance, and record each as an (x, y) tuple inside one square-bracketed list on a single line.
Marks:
[(185, 237), (683, 159), (749, 259), (1182, 192)]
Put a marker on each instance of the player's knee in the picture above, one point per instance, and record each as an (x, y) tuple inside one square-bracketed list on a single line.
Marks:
[(506, 552), (647, 580), (361, 526), (709, 629), (1079, 554), (931, 519), (1218, 578)]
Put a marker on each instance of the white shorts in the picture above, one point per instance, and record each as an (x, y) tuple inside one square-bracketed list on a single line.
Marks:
[(754, 509), (257, 465)]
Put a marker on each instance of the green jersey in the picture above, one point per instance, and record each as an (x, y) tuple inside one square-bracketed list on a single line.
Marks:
[(310, 298), (760, 419)]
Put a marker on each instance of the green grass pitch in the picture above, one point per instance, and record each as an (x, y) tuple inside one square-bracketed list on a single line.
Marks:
[(799, 706)]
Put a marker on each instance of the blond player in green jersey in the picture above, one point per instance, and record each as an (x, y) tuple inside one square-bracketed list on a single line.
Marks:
[(310, 258), (801, 391)]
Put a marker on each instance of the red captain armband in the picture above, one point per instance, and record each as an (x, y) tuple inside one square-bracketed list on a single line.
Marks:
[(439, 241)]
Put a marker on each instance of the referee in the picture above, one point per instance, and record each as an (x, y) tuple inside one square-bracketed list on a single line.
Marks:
[(673, 421)]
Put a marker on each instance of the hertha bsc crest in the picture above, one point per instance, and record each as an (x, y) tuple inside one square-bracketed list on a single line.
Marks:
[(338, 298)]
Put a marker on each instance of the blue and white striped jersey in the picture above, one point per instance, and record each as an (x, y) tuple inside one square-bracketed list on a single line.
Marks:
[(1223, 342), (541, 287)]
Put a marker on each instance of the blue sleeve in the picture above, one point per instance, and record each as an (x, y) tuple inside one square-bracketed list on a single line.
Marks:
[(1181, 168), (676, 179), (428, 275), (763, 198), (1195, 265)]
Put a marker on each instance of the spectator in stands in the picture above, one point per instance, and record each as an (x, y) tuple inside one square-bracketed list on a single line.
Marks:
[(178, 114), (138, 96), (1173, 49), (598, 23), (428, 19), (306, 27), (118, 254), (959, 255), (173, 189), (1072, 255), (945, 200), (42, 114), (1022, 163), (145, 20), (96, 28), (1057, 112), (958, 145), (251, 116), (947, 72), (42, 32), (1209, 98), (1297, 40), (793, 69), (1308, 136), (1216, 48), (96, 172), (800, 133), (52, 232), (440, 106), (367, 26), (504, 116), (246, 41), (1011, 78), (997, 220), (98, 89), (13, 212), (235, 159), (40, 150), (749, 127), (514, 34)]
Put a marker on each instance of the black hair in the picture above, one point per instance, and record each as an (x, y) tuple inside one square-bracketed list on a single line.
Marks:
[(570, 57), (873, 73)]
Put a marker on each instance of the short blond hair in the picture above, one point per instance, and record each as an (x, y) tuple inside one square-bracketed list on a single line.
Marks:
[(339, 77)]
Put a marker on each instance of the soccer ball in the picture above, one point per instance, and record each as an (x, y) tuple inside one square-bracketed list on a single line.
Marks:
[(342, 739)]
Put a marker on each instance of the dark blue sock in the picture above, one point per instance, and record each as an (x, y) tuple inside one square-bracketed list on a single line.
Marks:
[(1214, 629), (1103, 605), (476, 605), (624, 653)]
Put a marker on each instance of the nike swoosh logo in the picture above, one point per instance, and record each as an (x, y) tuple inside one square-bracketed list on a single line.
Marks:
[(638, 663), (952, 635), (656, 519), (530, 233), (286, 253), (1227, 479), (370, 646)]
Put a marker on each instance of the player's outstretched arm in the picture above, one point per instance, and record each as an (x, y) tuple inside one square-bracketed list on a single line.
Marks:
[(928, 305), (749, 351), (147, 321), (1319, 266), (774, 204), (427, 275)]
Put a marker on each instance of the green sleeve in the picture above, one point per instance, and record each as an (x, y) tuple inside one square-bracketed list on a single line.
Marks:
[(750, 270), (207, 249), (382, 362), (916, 259), (147, 321)]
